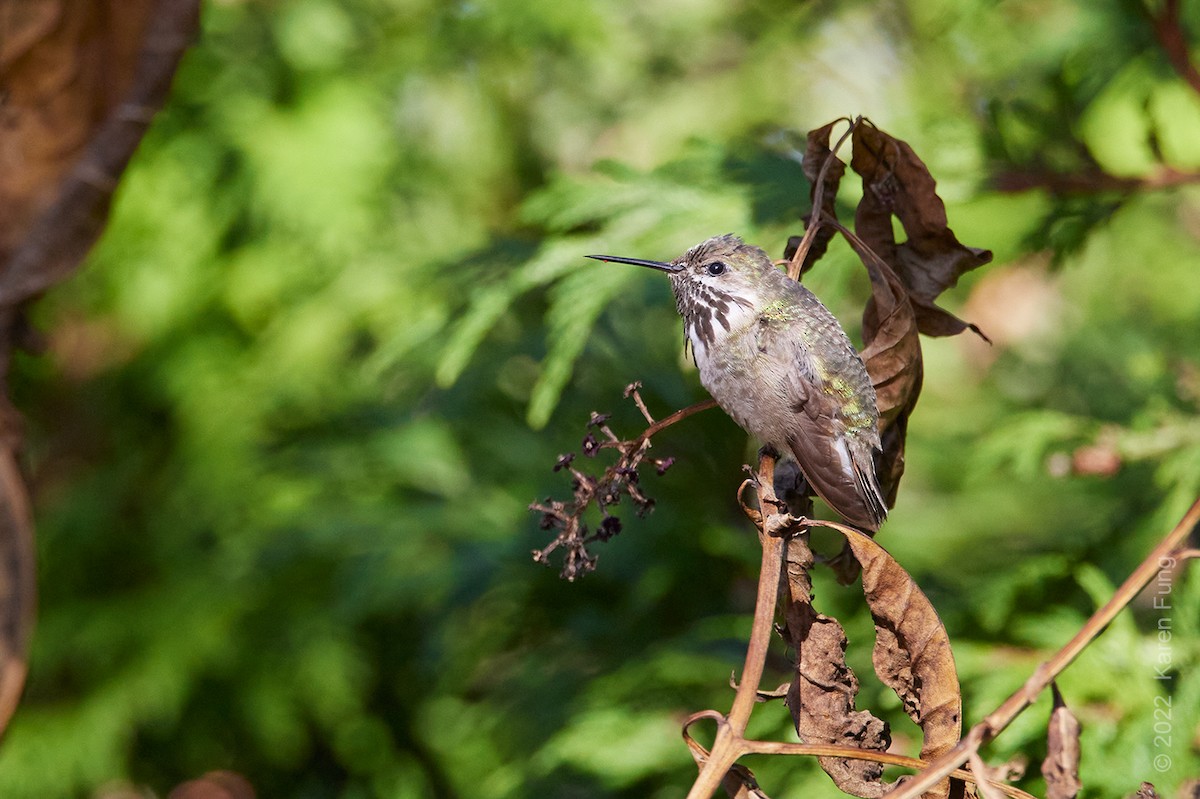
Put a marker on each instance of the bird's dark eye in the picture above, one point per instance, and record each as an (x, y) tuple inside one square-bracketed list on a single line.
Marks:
[(716, 268)]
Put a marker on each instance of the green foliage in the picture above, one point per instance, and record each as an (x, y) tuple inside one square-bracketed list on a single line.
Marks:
[(340, 328)]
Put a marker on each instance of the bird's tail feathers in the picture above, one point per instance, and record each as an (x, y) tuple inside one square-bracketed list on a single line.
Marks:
[(845, 481), (871, 492)]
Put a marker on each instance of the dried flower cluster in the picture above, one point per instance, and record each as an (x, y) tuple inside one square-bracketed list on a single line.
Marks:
[(604, 491)]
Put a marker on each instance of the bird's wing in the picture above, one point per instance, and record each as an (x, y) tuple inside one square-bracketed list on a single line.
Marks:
[(841, 473)]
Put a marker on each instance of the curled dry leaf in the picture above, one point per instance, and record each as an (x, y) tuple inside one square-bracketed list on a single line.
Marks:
[(824, 171), (1061, 766), (79, 83), (912, 650), (822, 695), (932, 259), (892, 354), (912, 656), (65, 66), (906, 278)]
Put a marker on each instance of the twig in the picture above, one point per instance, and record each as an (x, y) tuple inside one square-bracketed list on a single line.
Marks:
[(1090, 182), (728, 745), (737, 779), (1000, 718), (753, 747), (815, 218), (1169, 32), (633, 390), (981, 776), (678, 416)]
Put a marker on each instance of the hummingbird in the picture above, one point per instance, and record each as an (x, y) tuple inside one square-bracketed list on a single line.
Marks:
[(779, 364)]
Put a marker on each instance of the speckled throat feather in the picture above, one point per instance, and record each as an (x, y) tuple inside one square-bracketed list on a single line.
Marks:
[(702, 307)]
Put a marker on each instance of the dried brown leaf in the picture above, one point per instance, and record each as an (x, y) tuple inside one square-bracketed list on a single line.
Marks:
[(892, 347), (822, 694), (82, 82), (79, 82), (892, 351), (931, 259), (906, 278), (65, 65), (824, 171), (1061, 766), (912, 656), (912, 650)]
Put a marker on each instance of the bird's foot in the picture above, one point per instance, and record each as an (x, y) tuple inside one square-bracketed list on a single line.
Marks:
[(780, 505), (767, 451)]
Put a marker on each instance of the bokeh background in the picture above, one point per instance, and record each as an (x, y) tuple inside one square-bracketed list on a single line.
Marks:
[(294, 407)]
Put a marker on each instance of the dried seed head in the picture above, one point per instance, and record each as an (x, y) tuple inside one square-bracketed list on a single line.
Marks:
[(608, 528)]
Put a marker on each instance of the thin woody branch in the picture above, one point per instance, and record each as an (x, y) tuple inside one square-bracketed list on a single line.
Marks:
[(731, 728), (755, 747), (1002, 716), (818, 201), (1093, 182), (1168, 29)]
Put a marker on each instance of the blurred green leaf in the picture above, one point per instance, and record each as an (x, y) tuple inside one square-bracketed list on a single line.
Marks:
[(614, 747)]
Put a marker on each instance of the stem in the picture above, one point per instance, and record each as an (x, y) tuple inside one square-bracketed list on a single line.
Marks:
[(836, 750), (815, 221), (678, 416), (760, 634), (1169, 32), (730, 743), (655, 427), (1002, 716), (853, 753)]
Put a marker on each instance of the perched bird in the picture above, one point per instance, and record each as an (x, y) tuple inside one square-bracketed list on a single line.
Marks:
[(777, 361)]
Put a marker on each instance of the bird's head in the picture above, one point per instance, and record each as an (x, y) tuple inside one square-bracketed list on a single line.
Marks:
[(715, 277)]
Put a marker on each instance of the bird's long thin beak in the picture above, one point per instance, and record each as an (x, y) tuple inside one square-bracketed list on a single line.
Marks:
[(659, 265)]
